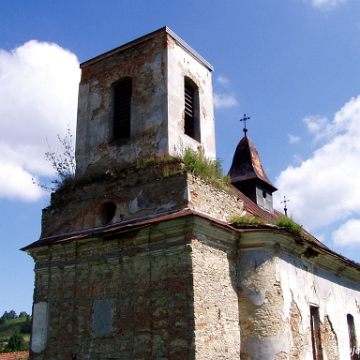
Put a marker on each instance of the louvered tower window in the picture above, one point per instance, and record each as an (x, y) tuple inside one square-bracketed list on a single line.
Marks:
[(122, 91), (192, 125)]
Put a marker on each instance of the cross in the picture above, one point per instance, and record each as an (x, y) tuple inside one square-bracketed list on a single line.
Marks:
[(244, 120), (284, 202)]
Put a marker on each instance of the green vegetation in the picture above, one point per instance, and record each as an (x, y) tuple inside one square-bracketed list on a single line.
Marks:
[(284, 222), (254, 220), (16, 342), (14, 331), (289, 224), (62, 162), (211, 170)]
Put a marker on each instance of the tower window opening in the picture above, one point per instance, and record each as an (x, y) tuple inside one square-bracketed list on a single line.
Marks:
[(192, 123), (122, 91)]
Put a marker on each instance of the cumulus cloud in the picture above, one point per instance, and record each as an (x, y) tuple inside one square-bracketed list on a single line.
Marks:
[(223, 80), (38, 99), (224, 99), (348, 234), (293, 139), (326, 4), (326, 187)]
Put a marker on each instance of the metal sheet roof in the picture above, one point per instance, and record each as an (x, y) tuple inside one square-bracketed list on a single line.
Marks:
[(164, 29), (246, 164)]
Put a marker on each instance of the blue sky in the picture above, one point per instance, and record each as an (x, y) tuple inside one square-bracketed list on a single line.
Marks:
[(293, 66)]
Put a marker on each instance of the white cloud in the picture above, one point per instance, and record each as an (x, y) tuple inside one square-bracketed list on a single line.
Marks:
[(348, 234), (224, 100), (38, 99), (326, 4), (326, 187), (223, 80), (317, 126), (293, 139)]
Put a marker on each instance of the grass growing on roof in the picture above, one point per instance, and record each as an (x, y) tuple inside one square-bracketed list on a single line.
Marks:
[(254, 220), (289, 224), (211, 170)]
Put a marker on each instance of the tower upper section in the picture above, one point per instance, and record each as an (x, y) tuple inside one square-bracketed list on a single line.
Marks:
[(148, 98)]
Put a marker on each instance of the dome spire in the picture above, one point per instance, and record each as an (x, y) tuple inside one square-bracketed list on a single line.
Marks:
[(248, 175)]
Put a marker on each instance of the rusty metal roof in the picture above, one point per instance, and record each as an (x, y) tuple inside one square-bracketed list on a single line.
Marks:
[(247, 166), (249, 206), (164, 29), (256, 210)]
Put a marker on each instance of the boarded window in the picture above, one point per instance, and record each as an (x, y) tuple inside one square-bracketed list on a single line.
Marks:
[(40, 326), (192, 123), (122, 91), (315, 333)]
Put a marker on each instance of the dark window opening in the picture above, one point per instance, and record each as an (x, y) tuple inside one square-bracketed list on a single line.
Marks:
[(352, 338), (315, 333), (192, 124), (122, 91), (107, 213)]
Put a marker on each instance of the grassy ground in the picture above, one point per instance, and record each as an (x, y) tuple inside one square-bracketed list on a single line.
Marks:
[(10, 326)]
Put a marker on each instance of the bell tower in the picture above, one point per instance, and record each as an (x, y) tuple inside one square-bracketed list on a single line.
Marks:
[(148, 98), (120, 270)]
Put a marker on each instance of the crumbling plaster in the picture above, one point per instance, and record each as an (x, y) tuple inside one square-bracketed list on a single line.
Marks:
[(142, 193), (276, 290), (148, 109), (180, 65), (249, 294), (142, 294), (158, 66)]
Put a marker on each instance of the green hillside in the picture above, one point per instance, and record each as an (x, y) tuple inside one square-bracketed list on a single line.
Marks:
[(9, 326)]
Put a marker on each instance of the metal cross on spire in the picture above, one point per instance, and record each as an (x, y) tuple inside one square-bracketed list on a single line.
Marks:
[(244, 120), (284, 202)]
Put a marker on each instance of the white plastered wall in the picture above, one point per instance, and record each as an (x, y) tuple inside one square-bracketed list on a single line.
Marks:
[(335, 297), (182, 64)]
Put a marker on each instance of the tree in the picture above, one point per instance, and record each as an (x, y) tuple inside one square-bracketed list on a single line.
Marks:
[(2, 345), (25, 328), (9, 315), (62, 162), (16, 343), (23, 314)]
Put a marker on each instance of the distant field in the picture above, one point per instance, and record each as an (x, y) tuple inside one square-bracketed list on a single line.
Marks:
[(12, 325)]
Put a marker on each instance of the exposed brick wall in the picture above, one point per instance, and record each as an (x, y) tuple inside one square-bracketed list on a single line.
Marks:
[(329, 340), (167, 291), (297, 337), (148, 292)]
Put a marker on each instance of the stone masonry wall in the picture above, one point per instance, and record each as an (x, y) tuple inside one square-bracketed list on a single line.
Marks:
[(215, 301), (127, 298), (166, 291), (142, 193), (264, 334)]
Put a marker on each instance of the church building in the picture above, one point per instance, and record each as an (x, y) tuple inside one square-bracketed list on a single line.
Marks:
[(141, 258)]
